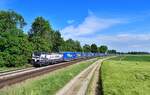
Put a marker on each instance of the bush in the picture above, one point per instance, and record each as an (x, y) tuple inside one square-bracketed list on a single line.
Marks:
[(16, 50), (2, 62)]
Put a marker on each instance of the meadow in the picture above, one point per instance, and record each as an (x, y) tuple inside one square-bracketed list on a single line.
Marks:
[(47, 84), (126, 75)]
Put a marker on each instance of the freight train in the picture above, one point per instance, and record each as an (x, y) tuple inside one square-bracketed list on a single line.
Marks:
[(43, 58)]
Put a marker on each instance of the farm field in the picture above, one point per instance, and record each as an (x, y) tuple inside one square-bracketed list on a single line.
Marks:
[(47, 84), (126, 75)]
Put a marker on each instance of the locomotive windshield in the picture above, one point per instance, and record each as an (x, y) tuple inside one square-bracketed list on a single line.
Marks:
[(38, 53)]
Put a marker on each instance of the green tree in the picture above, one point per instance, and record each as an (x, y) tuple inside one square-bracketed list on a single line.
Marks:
[(15, 49), (40, 27), (57, 41), (94, 48), (103, 49), (69, 45), (77, 46), (10, 20), (40, 35), (112, 51), (87, 48)]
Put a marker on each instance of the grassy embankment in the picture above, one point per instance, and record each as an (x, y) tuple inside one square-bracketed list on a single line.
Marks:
[(126, 75), (7, 69), (47, 84)]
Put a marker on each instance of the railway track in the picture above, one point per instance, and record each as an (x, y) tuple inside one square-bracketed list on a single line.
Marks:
[(21, 75), (15, 71)]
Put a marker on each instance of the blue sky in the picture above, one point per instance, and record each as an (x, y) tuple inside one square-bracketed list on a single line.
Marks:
[(123, 25)]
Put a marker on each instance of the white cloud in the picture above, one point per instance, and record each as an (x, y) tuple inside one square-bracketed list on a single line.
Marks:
[(135, 46), (125, 42), (125, 37), (121, 42), (91, 24)]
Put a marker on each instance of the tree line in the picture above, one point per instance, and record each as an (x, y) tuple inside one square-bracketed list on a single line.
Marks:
[(17, 46), (136, 52)]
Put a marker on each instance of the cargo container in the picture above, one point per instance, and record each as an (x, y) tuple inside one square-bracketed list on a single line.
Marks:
[(67, 56)]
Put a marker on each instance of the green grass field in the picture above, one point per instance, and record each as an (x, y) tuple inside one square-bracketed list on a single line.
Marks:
[(47, 84), (126, 75)]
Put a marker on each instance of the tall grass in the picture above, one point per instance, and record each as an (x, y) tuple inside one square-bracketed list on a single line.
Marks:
[(140, 58), (130, 76), (48, 84)]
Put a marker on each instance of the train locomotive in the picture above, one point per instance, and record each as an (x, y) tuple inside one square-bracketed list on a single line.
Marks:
[(43, 58)]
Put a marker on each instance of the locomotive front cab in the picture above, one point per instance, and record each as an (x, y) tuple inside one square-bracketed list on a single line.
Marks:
[(39, 59)]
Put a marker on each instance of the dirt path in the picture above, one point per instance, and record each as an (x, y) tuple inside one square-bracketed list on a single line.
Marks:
[(94, 87), (79, 85)]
